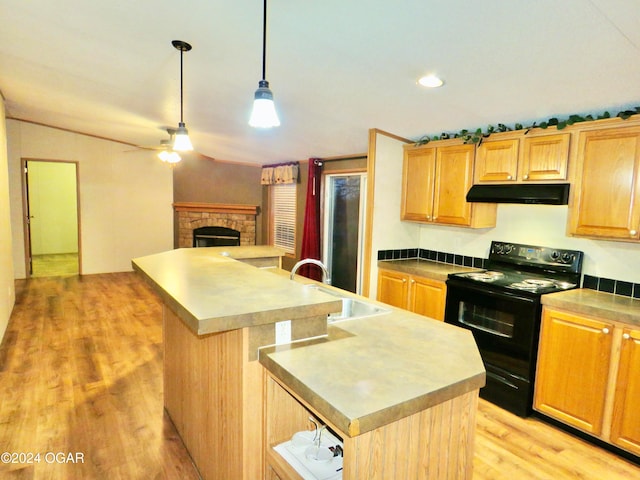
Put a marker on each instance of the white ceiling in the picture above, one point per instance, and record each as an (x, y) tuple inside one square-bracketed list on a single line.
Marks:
[(336, 67)]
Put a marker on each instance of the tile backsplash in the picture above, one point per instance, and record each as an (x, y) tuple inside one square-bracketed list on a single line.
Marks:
[(608, 285), (443, 257)]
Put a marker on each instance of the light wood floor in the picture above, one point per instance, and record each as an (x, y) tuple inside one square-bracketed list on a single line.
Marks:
[(81, 371)]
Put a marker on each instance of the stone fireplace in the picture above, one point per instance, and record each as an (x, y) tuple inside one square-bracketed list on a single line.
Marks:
[(190, 215)]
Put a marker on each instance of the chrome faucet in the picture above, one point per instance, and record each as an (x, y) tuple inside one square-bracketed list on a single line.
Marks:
[(325, 272)]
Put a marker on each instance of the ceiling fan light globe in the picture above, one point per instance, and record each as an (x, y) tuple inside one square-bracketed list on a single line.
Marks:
[(169, 156), (174, 157)]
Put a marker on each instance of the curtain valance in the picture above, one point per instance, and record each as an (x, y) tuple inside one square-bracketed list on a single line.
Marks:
[(280, 173)]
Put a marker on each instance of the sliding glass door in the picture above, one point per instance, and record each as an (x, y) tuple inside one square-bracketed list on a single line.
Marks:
[(344, 210)]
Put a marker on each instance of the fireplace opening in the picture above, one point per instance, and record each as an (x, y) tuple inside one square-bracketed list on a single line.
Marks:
[(215, 237)]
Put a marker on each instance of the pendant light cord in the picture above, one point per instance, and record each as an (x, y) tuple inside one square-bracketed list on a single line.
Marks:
[(264, 40), (181, 107)]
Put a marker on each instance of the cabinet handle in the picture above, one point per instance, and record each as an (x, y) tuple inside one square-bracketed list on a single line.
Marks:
[(404, 280), (428, 217), (509, 177), (626, 336), (633, 232), (605, 330), (413, 281), (525, 177)]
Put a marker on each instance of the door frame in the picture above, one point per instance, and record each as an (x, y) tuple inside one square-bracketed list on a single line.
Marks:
[(26, 214)]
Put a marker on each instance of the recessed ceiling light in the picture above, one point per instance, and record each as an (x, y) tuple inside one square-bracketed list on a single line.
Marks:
[(430, 81)]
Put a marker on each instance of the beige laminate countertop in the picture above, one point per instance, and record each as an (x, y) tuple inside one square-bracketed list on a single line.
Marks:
[(376, 370), (598, 304), (212, 292), (424, 268), (364, 374)]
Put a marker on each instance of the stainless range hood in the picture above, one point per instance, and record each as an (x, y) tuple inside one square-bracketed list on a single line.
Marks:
[(530, 193)]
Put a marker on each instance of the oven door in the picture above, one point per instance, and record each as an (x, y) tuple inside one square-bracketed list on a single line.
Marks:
[(504, 325)]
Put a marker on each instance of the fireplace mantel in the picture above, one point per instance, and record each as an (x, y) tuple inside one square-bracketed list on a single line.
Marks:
[(215, 208)]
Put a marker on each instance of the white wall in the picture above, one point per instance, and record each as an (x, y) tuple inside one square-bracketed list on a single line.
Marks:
[(125, 196), (543, 225), (7, 283), (387, 231)]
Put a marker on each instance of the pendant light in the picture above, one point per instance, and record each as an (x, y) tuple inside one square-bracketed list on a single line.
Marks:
[(181, 142), (264, 111)]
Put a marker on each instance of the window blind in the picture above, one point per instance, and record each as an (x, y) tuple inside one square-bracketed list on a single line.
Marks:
[(284, 216)]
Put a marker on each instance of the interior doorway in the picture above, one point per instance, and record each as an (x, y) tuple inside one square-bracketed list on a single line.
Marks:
[(51, 200), (343, 226)]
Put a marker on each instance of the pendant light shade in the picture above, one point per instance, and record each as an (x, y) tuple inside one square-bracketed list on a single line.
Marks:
[(181, 142), (264, 113)]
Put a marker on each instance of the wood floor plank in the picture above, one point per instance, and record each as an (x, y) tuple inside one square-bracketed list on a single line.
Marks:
[(81, 371)]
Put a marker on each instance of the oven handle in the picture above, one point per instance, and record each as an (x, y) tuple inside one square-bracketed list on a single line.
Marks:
[(489, 292)]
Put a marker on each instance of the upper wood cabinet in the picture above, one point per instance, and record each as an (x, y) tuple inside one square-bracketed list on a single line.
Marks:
[(418, 176), (497, 161), (523, 159), (606, 191), (435, 183), (544, 157)]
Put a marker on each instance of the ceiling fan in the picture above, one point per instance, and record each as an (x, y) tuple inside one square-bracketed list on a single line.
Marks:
[(165, 148)]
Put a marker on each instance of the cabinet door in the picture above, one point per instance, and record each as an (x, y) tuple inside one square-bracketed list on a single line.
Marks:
[(573, 366), (427, 297), (393, 288), (625, 428), (417, 184), (271, 474), (454, 177), (497, 161), (607, 188), (545, 157)]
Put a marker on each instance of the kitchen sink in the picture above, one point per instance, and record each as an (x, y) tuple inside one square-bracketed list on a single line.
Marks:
[(352, 308)]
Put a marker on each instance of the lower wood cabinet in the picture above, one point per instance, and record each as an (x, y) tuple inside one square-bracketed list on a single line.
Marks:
[(421, 295), (625, 424), (588, 376), (435, 443), (271, 474)]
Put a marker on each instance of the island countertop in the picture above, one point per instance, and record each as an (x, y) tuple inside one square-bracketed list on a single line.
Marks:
[(211, 291), (363, 374), (376, 370)]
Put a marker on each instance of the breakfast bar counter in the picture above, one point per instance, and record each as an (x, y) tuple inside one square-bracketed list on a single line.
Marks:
[(394, 382)]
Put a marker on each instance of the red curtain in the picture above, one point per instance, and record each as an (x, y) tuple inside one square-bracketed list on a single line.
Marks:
[(311, 231)]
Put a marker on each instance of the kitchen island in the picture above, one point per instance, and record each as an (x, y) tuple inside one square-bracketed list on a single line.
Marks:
[(399, 389)]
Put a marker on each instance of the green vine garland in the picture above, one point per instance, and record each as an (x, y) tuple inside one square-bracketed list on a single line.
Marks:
[(478, 135)]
